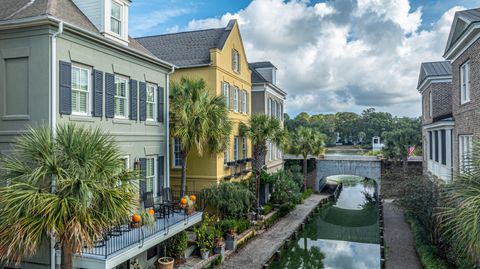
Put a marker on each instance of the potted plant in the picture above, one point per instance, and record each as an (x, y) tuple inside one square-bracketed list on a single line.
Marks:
[(187, 203), (147, 217), (231, 227), (165, 263), (136, 219), (205, 237), (219, 245)]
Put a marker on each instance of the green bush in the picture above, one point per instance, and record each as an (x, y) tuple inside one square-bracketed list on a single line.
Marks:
[(176, 244), (228, 200), (267, 208), (286, 189), (307, 194), (373, 153), (228, 225), (285, 209), (242, 225)]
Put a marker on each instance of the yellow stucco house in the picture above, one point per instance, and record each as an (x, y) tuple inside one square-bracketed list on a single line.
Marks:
[(218, 56)]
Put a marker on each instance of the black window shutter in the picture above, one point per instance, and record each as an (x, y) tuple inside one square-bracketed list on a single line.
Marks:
[(161, 175), (65, 88), (133, 99), (143, 176), (109, 95), (97, 93), (161, 101), (142, 94)]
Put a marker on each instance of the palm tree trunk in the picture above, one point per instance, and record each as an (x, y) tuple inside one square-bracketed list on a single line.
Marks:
[(259, 155), (184, 173), (305, 162), (66, 257)]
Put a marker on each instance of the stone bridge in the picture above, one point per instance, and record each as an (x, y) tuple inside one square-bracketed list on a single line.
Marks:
[(356, 165)]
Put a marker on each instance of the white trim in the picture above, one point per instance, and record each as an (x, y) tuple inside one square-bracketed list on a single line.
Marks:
[(89, 90), (465, 72), (173, 153), (127, 160), (459, 43), (155, 101), (439, 124), (126, 98), (268, 88), (431, 80)]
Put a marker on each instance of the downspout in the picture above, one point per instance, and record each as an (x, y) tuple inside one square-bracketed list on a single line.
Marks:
[(167, 123), (53, 119)]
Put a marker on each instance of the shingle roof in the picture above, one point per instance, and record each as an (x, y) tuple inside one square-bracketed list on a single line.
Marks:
[(469, 15), (187, 49), (256, 76), (265, 64), (64, 10), (434, 69)]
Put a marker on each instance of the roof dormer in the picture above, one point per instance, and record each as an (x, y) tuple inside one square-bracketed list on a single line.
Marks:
[(267, 70), (109, 16)]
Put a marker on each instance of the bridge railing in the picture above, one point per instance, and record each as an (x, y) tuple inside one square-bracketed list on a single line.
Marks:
[(350, 158)]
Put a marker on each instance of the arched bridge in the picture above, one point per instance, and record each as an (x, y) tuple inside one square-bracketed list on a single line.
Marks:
[(356, 165)]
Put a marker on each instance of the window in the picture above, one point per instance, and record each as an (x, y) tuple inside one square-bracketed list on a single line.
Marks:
[(116, 18), (465, 143), (235, 61), (80, 90), (465, 83), (177, 151), (235, 99), (244, 147), (226, 155), (430, 145), (435, 134), (235, 148), (269, 107), (150, 175), (121, 97), (226, 90), (443, 143), (151, 103), (152, 252), (244, 101)]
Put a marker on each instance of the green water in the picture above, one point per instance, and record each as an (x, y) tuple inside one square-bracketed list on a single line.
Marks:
[(342, 235)]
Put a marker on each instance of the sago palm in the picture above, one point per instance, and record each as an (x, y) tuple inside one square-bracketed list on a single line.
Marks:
[(262, 129), (199, 121), (70, 187), (460, 214), (307, 141)]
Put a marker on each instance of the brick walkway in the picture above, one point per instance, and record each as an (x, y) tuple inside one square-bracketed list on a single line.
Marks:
[(399, 240), (258, 251)]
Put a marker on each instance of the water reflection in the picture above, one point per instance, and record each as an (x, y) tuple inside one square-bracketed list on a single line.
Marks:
[(343, 235)]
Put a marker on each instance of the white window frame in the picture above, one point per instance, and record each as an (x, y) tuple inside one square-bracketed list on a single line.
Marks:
[(153, 87), (126, 159), (465, 83), (120, 20), (176, 156), (235, 60), (125, 98), (235, 99), (153, 176), (465, 149), (235, 148), (244, 101), (226, 93), (244, 147), (89, 90)]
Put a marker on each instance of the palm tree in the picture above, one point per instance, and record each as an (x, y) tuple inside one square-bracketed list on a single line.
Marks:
[(460, 214), (262, 129), (199, 121), (306, 141), (70, 187)]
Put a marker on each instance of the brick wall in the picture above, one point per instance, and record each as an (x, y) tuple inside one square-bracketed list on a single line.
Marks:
[(467, 116)]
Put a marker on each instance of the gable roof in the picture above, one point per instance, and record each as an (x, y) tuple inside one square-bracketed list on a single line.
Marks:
[(434, 69), (460, 25), (188, 49), (64, 10)]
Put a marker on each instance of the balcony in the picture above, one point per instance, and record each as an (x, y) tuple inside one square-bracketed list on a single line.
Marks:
[(123, 242)]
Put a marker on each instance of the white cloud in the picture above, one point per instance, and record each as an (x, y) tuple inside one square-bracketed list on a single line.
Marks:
[(141, 25), (341, 55)]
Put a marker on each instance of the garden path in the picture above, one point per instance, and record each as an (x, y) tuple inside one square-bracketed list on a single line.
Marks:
[(260, 249), (399, 240)]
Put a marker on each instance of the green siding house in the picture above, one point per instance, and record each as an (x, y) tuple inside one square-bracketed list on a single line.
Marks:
[(73, 61)]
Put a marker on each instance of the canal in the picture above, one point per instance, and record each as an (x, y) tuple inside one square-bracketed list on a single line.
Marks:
[(343, 234)]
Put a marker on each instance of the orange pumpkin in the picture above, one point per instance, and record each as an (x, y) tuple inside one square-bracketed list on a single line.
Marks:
[(183, 201), (151, 212), (136, 218), (193, 197)]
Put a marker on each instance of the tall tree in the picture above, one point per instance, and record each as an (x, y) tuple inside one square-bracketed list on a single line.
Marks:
[(307, 141), (70, 186), (407, 132), (262, 129), (199, 121)]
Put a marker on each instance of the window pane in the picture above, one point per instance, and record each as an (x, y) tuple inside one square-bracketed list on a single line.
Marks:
[(83, 102), (116, 10), (115, 26), (444, 146)]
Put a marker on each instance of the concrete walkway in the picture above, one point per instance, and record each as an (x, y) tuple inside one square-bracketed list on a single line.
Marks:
[(258, 251), (401, 253)]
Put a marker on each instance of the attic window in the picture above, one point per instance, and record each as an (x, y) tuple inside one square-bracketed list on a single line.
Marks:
[(116, 18), (235, 61)]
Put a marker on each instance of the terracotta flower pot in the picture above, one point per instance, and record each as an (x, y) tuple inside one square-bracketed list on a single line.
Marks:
[(165, 263)]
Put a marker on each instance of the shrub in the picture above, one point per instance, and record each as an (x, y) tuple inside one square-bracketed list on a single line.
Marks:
[(228, 200), (285, 209), (286, 189), (243, 225), (176, 244), (307, 194), (267, 208)]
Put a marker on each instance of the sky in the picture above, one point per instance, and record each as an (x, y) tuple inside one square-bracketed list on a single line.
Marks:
[(332, 56)]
